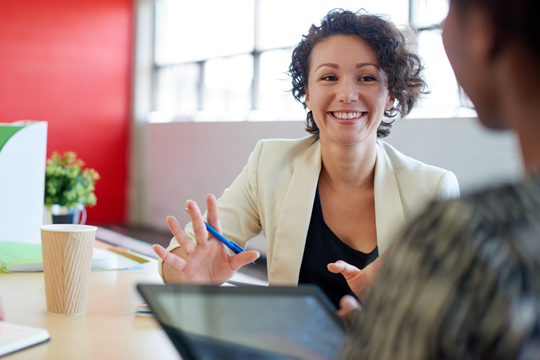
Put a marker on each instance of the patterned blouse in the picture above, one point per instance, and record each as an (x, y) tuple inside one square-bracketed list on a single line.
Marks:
[(462, 283)]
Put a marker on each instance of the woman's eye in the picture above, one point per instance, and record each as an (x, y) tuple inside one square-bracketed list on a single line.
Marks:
[(329, 78), (367, 78)]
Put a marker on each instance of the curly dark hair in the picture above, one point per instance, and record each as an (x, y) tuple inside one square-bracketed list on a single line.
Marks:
[(391, 46)]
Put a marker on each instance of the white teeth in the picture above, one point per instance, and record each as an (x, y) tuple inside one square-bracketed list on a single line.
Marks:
[(348, 115)]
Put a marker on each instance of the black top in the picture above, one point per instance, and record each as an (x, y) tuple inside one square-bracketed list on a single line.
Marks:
[(324, 247)]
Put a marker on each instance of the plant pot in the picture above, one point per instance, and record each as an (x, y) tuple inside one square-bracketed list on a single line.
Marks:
[(57, 214)]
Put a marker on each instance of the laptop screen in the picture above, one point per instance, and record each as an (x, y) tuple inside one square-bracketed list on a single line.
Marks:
[(295, 322)]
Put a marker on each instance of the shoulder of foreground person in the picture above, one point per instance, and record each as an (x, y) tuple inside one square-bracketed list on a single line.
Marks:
[(460, 265)]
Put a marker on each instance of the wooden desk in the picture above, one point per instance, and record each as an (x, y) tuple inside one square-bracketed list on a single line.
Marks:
[(108, 330)]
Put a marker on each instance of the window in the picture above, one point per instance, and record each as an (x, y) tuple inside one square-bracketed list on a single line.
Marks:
[(218, 60)]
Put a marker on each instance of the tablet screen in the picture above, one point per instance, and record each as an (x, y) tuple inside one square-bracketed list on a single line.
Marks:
[(298, 322)]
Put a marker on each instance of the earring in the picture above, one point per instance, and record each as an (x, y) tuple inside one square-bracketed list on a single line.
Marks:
[(309, 116)]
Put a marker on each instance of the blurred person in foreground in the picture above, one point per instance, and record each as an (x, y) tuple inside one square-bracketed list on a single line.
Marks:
[(463, 281)]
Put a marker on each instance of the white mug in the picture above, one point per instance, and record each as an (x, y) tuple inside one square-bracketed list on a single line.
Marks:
[(57, 214)]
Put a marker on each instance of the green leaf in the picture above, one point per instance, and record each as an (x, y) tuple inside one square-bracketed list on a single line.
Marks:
[(67, 184)]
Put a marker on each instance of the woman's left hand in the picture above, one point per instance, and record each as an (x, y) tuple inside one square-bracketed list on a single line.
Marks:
[(360, 281), (356, 279)]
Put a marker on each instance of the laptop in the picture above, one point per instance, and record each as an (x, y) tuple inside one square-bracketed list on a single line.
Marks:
[(233, 323)]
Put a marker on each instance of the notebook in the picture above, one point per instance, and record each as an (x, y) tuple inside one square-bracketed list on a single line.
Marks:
[(211, 322), (15, 337), (23, 257), (143, 310)]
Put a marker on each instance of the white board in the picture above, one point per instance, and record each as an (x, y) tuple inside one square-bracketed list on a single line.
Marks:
[(22, 183)]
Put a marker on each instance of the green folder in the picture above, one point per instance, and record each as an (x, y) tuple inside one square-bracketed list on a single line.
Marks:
[(19, 256), (7, 131)]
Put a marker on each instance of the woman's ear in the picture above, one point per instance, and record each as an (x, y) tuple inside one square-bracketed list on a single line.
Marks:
[(306, 100)]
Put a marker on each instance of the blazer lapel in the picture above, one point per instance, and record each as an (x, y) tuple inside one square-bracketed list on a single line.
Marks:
[(389, 215), (294, 219)]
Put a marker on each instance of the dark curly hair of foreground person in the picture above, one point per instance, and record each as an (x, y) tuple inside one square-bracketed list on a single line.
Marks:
[(462, 283), (394, 51)]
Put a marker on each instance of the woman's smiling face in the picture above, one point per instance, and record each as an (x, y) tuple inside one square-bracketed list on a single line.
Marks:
[(347, 91)]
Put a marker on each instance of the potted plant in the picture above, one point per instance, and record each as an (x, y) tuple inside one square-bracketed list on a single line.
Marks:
[(68, 189)]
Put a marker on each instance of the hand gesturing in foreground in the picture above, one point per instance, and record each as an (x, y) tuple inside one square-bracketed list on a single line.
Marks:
[(209, 261)]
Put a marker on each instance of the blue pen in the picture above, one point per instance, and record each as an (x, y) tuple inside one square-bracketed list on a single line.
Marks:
[(237, 249)]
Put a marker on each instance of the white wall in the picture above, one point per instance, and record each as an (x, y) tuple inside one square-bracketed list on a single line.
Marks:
[(189, 160), (141, 95), (479, 157)]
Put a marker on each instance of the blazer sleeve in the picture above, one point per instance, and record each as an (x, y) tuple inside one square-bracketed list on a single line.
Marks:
[(238, 207), (448, 187)]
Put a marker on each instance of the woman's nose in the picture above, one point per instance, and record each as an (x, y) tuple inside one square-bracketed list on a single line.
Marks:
[(347, 92)]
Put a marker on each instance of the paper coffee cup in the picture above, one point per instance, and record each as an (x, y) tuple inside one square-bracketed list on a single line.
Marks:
[(67, 263)]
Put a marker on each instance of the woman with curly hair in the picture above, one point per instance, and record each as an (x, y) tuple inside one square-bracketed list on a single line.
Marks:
[(338, 195)]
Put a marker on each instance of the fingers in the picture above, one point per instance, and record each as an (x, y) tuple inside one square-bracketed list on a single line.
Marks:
[(179, 234), (349, 303), (356, 279), (348, 307), (244, 258), (336, 267), (347, 270), (212, 216), (201, 235), (171, 259)]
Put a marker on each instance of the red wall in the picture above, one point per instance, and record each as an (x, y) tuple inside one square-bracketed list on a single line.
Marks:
[(68, 62)]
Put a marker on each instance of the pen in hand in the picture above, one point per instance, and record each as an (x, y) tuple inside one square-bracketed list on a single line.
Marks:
[(231, 245)]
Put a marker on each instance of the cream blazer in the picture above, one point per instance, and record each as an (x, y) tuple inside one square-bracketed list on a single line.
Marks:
[(275, 192)]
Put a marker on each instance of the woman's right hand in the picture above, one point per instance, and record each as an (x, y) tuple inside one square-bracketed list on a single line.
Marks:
[(207, 263)]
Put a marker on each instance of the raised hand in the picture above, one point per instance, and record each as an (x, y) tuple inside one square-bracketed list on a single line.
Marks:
[(360, 281), (356, 279), (209, 261)]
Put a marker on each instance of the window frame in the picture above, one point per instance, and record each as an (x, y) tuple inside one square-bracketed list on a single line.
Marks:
[(413, 6)]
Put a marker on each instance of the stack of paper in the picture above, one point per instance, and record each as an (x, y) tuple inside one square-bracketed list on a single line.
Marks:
[(143, 310)]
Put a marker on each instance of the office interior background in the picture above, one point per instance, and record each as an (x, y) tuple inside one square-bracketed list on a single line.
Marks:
[(166, 98)]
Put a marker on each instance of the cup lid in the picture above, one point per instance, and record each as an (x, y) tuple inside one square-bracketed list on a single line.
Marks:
[(68, 228)]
